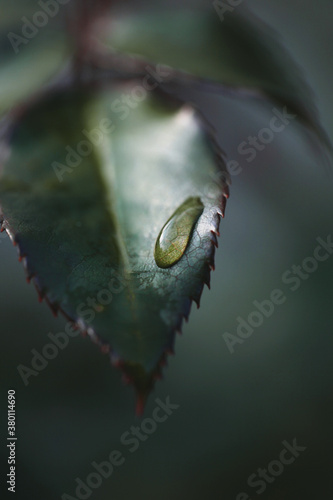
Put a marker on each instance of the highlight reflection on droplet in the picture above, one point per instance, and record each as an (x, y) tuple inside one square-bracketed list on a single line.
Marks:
[(177, 232)]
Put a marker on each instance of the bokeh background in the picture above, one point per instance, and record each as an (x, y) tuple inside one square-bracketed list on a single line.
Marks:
[(234, 409)]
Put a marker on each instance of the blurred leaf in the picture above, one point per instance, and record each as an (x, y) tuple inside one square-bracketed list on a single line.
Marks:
[(12, 12), (239, 52), (92, 235), (23, 72)]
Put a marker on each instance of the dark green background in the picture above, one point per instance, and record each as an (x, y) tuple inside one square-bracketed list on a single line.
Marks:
[(235, 410)]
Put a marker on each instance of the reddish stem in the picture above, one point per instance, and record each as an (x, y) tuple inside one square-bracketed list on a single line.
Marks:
[(82, 17)]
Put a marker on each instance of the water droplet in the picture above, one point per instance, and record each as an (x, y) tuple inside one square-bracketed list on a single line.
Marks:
[(176, 233)]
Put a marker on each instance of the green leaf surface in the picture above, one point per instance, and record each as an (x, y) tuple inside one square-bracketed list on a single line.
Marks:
[(87, 226), (239, 52)]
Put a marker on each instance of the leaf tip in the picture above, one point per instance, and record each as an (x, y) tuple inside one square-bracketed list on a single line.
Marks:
[(140, 404)]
